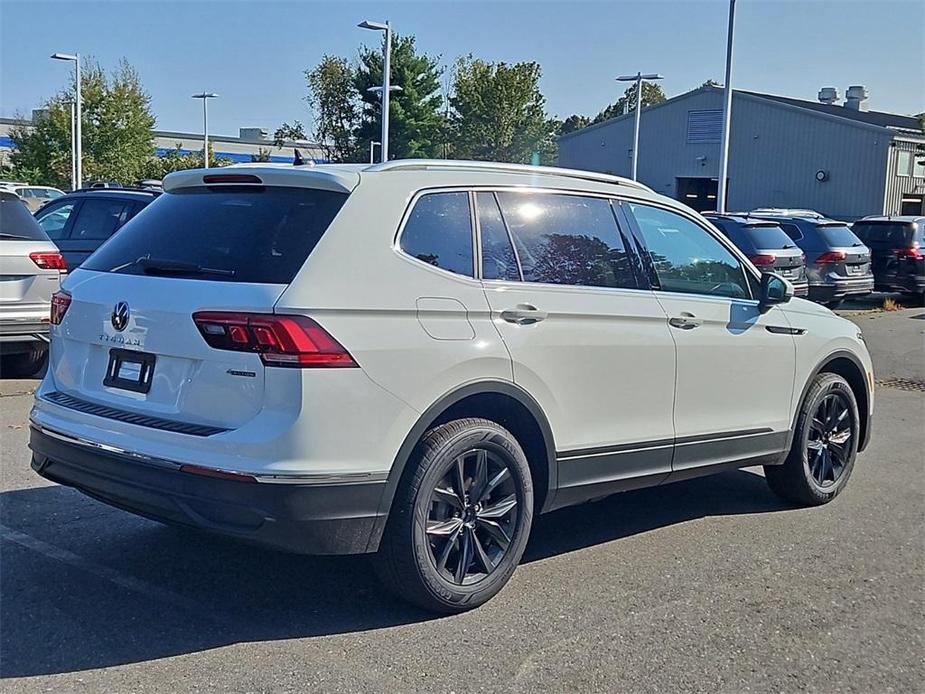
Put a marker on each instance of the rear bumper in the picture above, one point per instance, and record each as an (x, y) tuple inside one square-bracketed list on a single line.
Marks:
[(839, 289), (307, 518), (23, 330), (800, 288), (902, 283)]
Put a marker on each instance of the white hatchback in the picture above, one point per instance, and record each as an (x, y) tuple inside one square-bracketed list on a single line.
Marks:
[(414, 358)]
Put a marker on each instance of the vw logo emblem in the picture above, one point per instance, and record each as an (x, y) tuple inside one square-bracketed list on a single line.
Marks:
[(119, 316)]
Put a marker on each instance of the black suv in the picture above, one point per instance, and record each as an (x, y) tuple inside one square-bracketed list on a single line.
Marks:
[(766, 245), (79, 222), (837, 263), (896, 246)]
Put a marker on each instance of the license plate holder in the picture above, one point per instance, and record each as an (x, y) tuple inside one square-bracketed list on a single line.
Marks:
[(130, 370)]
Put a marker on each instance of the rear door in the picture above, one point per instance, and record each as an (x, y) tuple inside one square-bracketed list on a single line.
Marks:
[(735, 364), (216, 248), (587, 338), (851, 256)]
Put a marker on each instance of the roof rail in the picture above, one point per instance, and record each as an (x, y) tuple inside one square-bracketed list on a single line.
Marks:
[(500, 167)]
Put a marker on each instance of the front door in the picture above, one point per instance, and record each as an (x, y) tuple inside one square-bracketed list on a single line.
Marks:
[(591, 347), (735, 364)]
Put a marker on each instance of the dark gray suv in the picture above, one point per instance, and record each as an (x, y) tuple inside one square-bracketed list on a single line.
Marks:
[(766, 245), (837, 263), (896, 245)]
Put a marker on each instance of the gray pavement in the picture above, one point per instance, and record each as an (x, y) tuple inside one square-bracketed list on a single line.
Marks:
[(711, 585)]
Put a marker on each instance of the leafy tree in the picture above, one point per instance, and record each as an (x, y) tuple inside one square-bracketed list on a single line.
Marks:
[(708, 83), (573, 123), (117, 139), (178, 160), (498, 112), (415, 120), (263, 154), (288, 132), (333, 98), (651, 94)]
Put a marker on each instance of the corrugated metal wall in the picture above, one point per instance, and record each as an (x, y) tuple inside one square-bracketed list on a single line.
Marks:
[(776, 151), (898, 186)]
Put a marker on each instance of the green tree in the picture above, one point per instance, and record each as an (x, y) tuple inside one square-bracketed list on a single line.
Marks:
[(263, 154), (333, 99), (415, 120), (178, 160), (498, 112), (651, 94), (118, 137), (285, 132), (711, 83), (573, 123)]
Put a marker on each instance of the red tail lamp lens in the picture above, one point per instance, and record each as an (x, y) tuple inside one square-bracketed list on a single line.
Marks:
[(49, 261), (294, 341), (763, 260), (212, 179), (831, 257), (60, 302)]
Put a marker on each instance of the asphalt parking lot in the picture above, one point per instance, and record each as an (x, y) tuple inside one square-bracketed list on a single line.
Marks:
[(708, 585)]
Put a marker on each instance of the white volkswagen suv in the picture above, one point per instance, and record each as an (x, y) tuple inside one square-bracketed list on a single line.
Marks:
[(414, 358)]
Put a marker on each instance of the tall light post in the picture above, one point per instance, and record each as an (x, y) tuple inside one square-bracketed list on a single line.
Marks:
[(70, 105), (386, 77), (372, 146), (638, 79), (77, 148), (205, 96), (727, 116)]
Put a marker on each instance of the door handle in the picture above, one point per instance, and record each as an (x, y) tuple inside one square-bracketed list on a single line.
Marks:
[(686, 321), (523, 314)]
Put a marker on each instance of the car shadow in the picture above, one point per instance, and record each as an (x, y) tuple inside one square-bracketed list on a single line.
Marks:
[(85, 586)]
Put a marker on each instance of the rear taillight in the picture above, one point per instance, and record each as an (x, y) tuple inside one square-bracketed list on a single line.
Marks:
[(60, 301), (763, 259), (831, 257), (913, 252), (49, 261), (295, 341)]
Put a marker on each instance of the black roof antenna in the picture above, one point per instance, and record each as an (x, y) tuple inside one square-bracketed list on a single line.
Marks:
[(297, 159)]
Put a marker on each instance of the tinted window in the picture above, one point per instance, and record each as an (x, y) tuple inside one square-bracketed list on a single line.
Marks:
[(686, 257), (53, 194), (98, 219), (837, 235), (793, 231), (885, 235), (439, 232), (16, 222), (768, 236), (498, 259), (260, 234), (567, 239), (53, 219)]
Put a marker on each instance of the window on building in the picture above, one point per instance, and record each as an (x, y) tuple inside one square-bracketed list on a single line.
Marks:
[(567, 239), (687, 258), (704, 127), (918, 165), (439, 232), (903, 162)]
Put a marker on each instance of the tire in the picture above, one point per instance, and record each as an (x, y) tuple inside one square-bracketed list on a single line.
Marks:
[(914, 299), (821, 458), (422, 531), (23, 364)]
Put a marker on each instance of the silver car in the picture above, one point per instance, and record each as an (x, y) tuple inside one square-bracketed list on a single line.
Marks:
[(30, 272)]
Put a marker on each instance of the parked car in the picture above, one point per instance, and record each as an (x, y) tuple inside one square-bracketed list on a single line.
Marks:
[(837, 263), (79, 222), (766, 245), (30, 272), (415, 358), (896, 246), (35, 196)]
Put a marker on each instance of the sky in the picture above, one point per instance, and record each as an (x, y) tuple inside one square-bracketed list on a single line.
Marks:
[(253, 53)]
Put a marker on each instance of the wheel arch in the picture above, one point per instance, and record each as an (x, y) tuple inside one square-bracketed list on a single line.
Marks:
[(849, 367), (503, 402)]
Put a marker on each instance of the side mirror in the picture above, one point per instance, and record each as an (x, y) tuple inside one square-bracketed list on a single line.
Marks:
[(774, 290)]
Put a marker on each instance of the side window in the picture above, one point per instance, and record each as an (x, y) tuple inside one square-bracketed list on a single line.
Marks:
[(567, 239), (54, 220), (498, 259), (439, 232), (793, 231), (687, 258), (98, 219)]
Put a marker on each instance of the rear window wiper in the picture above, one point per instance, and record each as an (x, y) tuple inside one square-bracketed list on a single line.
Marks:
[(4, 235), (156, 266)]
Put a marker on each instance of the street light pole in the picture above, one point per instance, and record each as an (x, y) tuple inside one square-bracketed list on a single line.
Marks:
[(205, 96), (638, 79), (77, 146), (386, 78), (71, 108), (727, 116), (372, 145)]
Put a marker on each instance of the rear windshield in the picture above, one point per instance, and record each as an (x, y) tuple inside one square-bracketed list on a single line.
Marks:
[(245, 234), (886, 234), (767, 237), (16, 222), (838, 235)]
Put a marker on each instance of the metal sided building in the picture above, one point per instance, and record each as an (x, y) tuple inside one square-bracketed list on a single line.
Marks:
[(841, 160)]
